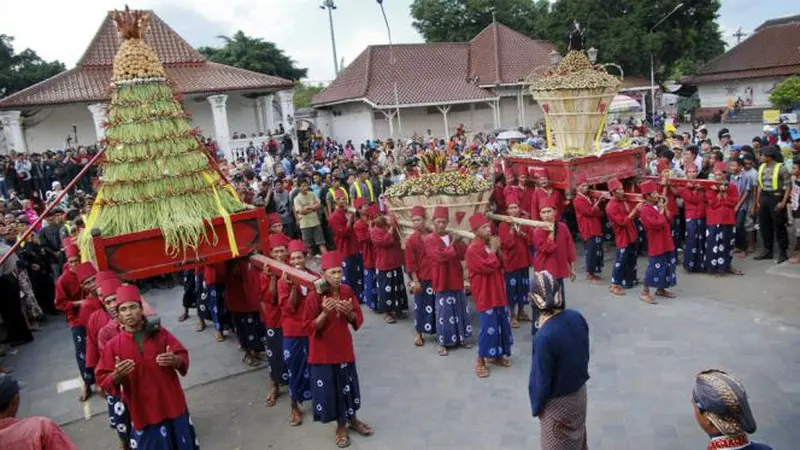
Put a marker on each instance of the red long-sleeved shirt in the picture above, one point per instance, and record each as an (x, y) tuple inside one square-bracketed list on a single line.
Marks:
[(540, 198), (214, 273), (96, 322), (361, 229), (659, 236), (152, 393), (292, 318), (625, 232), (417, 260), (516, 252), (332, 343), (589, 217), (448, 275), (499, 198), (239, 296), (343, 235), (554, 254), (485, 277), (270, 306), (90, 305), (694, 203), (721, 209), (388, 252), (68, 291)]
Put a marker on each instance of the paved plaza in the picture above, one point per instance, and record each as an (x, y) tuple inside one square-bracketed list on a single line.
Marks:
[(644, 359)]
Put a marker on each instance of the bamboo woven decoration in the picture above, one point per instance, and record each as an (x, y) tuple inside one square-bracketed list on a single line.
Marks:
[(156, 174), (574, 97)]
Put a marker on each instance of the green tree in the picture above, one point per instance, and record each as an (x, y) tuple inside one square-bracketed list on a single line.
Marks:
[(20, 70), (303, 93), (256, 54), (786, 93)]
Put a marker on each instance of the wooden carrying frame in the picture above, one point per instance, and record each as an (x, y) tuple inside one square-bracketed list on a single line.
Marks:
[(574, 116)]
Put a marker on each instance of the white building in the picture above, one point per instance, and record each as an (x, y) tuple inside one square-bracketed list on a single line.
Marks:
[(435, 87), (751, 69), (71, 106)]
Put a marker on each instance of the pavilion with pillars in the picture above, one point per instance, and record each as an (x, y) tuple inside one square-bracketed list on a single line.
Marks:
[(69, 109)]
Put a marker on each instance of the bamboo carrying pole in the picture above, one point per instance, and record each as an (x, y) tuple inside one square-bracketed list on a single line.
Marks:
[(461, 233), (520, 221)]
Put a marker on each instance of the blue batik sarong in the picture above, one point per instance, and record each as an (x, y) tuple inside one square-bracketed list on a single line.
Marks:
[(660, 273), (624, 271), (353, 275), (79, 341), (249, 330), (189, 293), (425, 309), (495, 338), (273, 341), (642, 239), (720, 242), (370, 288), (392, 296), (593, 253), (336, 393), (295, 358), (214, 306), (517, 287), (694, 245), (453, 324), (174, 434), (119, 418)]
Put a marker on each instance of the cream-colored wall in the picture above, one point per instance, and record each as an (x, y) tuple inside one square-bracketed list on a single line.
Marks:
[(48, 129), (716, 94)]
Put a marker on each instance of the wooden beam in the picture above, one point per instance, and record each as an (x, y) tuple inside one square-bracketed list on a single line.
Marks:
[(520, 221), (629, 196), (456, 231), (278, 268)]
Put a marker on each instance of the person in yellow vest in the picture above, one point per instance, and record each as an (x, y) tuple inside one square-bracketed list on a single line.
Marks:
[(774, 186), (362, 188), (330, 195)]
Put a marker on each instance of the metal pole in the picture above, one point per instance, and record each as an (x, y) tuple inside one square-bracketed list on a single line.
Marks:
[(52, 206), (333, 39), (394, 68), (652, 62)]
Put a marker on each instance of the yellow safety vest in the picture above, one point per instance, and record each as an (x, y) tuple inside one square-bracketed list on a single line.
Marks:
[(332, 191), (775, 172), (371, 192)]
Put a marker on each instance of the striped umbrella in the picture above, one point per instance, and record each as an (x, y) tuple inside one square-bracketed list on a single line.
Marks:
[(623, 103)]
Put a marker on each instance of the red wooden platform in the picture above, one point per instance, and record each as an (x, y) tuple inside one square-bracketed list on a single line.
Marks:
[(140, 255)]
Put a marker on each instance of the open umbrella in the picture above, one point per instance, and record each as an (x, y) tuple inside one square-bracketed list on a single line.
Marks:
[(511, 134), (623, 103)]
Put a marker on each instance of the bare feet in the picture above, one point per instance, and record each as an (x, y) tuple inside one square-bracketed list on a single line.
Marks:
[(514, 322), (522, 316), (465, 345), (502, 362), (617, 290), (419, 341), (200, 326), (296, 416), (665, 293), (272, 397), (389, 318), (647, 298), (219, 337), (342, 437), (361, 428), (442, 351), (481, 370)]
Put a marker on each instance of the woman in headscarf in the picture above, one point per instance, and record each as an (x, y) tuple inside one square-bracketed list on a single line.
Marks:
[(722, 410), (559, 368)]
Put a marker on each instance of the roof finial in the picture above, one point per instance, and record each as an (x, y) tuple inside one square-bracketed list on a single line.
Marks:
[(494, 16), (131, 24)]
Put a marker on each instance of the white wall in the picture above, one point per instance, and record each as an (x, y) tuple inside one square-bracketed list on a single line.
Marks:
[(351, 121), (716, 94), (419, 120), (49, 128), (241, 114)]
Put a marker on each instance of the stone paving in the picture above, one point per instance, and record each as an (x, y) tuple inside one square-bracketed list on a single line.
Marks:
[(644, 359)]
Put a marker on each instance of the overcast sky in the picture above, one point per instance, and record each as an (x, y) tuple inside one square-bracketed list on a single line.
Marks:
[(57, 29)]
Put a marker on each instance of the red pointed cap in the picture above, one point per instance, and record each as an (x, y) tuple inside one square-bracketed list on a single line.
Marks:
[(418, 211), (109, 287), (441, 212), (128, 293), (331, 259), (72, 251), (614, 184), (278, 240), (338, 194), (103, 276), (297, 246), (647, 187), (359, 202), (512, 199), (477, 220), (720, 166), (85, 271), (273, 218)]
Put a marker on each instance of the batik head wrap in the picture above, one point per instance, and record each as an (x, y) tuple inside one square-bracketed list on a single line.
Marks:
[(723, 401), (546, 293)]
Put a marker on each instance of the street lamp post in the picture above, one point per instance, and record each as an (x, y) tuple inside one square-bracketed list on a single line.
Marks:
[(330, 6), (652, 63), (394, 68)]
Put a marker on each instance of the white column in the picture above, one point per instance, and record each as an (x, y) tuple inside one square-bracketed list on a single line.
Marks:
[(258, 106), (222, 133), (269, 112), (286, 99), (444, 110), (390, 117), (99, 115), (12, 128), (492, 104)]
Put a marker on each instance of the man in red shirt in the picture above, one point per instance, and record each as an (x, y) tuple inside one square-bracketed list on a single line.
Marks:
[(545, 195), (721, 223), (213, 306), (341, 222), (418, 267), (489, 294), (590, 226), (244, 305), (392, 298), (660, 273), (271, 317), (30, 433), (141, 364), (361, 228), (446, 252), (515, 243), (331, 357), (621, 216), (555, 252), (694, 203)]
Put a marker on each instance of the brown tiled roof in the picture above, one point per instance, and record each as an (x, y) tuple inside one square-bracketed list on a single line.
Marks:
[(186, 69), (634, 82), (501, 55), (771, 51), (438, 72)]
